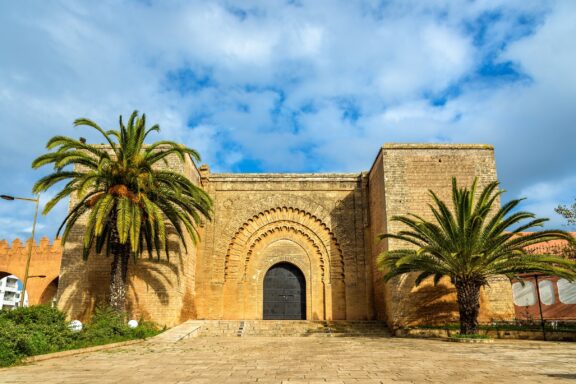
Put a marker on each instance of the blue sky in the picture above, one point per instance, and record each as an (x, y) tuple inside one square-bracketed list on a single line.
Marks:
[(295, 86)]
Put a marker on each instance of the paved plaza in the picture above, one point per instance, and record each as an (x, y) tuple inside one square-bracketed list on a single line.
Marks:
[(309, 360)]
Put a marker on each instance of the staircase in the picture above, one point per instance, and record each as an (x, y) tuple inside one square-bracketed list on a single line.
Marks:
[(286, 328), (218, 327)]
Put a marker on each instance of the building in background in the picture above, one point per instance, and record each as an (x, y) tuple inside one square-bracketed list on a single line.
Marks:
[(10, 293), (556, 296)]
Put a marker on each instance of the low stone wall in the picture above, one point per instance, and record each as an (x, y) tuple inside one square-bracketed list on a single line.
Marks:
[(497, 334)]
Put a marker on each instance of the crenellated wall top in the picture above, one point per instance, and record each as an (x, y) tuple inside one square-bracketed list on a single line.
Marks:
[(44, 245)]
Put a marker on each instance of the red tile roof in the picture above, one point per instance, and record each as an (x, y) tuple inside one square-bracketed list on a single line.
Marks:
[(555, 247)]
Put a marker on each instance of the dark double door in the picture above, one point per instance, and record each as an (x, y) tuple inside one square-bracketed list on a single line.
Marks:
[(284, 293)]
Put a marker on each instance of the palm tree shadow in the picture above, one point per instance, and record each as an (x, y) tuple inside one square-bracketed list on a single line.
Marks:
[(161, 275), (82, 286), (426, 304), (87, 282), (153, 277), (439, 304), (79, 309)]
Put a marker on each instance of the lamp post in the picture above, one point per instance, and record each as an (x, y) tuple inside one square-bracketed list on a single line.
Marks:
[(25, 281)]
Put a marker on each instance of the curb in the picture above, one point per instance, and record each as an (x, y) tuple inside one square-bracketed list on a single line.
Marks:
[(74, 352)]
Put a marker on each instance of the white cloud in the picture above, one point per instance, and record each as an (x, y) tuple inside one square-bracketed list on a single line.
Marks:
[(427, 58), (549, 55), (293, 88), (544, 197)]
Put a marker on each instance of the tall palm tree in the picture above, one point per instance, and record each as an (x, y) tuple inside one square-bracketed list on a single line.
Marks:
[(470, 243), (125, 194)]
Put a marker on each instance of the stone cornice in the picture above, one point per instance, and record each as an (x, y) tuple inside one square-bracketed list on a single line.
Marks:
[(283, 177)]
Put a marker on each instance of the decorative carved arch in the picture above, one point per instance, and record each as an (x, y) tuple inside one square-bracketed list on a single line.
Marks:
[(316, 253), (311, 230)]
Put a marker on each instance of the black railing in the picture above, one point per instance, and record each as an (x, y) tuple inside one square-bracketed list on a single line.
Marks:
[(528, 324)]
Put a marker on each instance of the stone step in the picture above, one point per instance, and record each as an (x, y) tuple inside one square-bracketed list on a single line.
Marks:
[(282, 328), (218, 327), (279, 328)]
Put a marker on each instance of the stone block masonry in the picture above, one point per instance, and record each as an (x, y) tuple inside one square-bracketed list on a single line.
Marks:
[(324, 224), (159, 290), (314, 221), (400, 180)]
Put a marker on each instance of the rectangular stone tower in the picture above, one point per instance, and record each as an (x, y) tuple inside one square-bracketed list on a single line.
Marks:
[(399, 181)]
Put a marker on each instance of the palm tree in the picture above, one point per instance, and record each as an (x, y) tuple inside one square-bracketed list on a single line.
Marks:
[(125, 195), (471, 243)]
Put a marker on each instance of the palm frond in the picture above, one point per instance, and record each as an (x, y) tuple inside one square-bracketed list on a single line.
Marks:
[(121, 191), (472, 240)]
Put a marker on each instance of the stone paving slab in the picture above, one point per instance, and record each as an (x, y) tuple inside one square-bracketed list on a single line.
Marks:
[(293, 360)]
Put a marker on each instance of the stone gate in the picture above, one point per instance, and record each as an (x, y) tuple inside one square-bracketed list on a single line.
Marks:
[(324, 225)]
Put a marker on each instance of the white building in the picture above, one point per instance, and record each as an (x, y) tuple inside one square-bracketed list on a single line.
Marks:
[(10, 291)]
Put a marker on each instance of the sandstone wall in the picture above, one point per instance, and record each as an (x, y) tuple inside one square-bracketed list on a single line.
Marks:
[(401, 177), (159, 290), (315, 221), (45, 261), (325, 224)]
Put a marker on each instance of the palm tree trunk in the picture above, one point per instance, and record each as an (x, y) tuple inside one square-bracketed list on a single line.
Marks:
[(468, 293), (119, 269)]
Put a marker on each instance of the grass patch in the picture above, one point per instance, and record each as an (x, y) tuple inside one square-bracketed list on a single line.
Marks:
[(40, 329), (471, 336)]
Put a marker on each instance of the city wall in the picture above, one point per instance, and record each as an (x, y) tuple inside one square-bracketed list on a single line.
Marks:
[(44, 267), (325, 224)]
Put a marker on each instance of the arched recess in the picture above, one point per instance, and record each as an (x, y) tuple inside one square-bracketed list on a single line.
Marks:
[(269, 221), (284, 247), (255, 248), (49, 293)]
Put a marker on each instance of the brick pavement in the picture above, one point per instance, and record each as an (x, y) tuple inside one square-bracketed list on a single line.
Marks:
[(309, 360)]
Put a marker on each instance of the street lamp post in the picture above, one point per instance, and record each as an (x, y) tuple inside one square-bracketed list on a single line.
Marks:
[(25, 281)]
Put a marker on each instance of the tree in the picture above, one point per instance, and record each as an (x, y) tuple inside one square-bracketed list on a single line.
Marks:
[(470, 243), (126, 197), (567, 212)]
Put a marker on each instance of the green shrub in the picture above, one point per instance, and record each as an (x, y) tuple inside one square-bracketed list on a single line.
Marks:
[(470, 336), (40, 329), (35, 315), (12, 343), (108, 326), (32, 331)]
